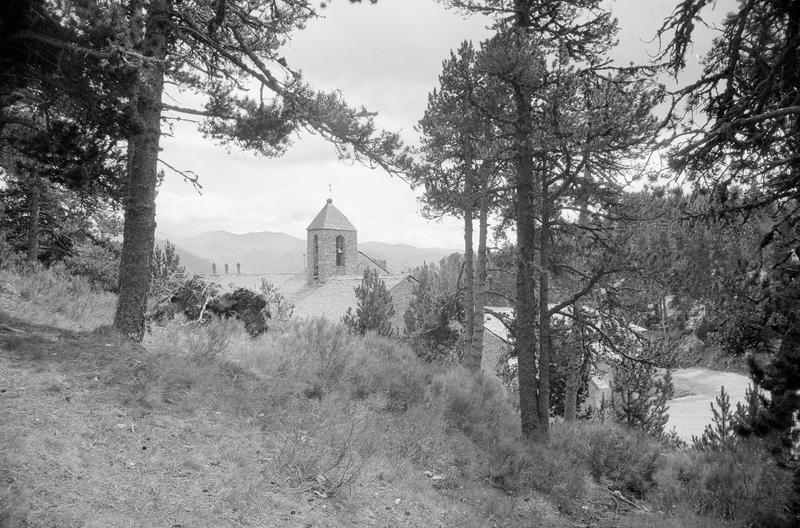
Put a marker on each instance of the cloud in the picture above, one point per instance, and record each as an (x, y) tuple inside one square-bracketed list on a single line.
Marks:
[(386, 57)]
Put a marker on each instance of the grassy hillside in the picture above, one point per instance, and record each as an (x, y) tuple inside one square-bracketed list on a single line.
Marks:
[(308, 426)]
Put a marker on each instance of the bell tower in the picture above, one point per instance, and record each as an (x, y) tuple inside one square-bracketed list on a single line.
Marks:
[(332, 243)]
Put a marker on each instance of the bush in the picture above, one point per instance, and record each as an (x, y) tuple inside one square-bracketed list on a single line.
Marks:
[(543, 468), (626, 458), (380, 366), (476, 405), (10, 259), (326, 447), (280, 307), (742, 483), (98, 264)]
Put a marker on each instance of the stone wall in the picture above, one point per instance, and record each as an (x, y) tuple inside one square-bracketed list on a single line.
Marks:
[(327, 253)]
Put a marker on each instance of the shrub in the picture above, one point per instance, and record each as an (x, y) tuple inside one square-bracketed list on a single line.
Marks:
[(326, 447), (382, 366), (742, 483), (10, 259), (546, 469), (98, 264), (280, 307), (476, 405), (704, 327), (627, 458)]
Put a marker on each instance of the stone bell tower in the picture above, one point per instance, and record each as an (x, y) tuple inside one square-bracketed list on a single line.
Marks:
[(332, 245)]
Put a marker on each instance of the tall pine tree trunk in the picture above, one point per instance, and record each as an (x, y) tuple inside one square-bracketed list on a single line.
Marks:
[(143, 148), (575, 362), (574, 365), (34, 210), (469, 293), (527, 305), (545, 341), (470, 361), (525, 215), (480, 276)]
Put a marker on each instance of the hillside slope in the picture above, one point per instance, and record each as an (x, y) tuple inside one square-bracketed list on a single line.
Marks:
[(307, 426), (93, 437)]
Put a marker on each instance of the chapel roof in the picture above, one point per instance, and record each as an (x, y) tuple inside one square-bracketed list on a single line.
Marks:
[(331, 218)]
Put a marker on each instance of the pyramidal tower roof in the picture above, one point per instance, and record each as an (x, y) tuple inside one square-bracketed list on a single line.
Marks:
[(331, 218)]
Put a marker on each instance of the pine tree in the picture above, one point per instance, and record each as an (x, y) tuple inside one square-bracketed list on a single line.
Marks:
[(375, 310), (542, 62), (214, 48), (640, 396), (748, 95), (720, 433), (459, 170), (435, 315)]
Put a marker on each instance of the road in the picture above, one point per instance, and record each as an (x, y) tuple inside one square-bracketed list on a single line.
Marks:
[(690, 414)]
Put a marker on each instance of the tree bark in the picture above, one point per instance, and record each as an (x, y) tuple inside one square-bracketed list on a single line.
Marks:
[(34, 210), (544, 309), (574, 365), (527, 306), (469, 258), (143, 148), (576, 360), (480, 276)]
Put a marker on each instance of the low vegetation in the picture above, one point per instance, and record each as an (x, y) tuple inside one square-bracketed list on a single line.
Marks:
[(315, 426)]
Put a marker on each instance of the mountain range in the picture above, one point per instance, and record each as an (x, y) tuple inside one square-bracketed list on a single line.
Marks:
[(271, 252)]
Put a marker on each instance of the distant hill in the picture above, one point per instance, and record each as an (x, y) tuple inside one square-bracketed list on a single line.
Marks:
[(269, 252), (189, 260), (263, 252), (402, 257)]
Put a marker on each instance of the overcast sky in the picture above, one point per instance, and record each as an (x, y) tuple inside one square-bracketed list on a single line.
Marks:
[(386, 57)]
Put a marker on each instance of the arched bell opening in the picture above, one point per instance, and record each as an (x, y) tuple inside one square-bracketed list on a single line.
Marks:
[(340, 254)]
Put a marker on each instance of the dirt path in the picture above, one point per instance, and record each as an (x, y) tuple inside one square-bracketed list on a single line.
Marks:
[(690, 414)]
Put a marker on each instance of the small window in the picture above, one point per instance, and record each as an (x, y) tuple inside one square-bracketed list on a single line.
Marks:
[(340, 250)]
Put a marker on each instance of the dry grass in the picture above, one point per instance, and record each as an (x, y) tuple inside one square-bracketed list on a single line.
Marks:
[(53, 297), (305, 426)]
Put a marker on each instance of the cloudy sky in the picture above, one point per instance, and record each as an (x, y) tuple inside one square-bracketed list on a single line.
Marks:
[(386, 57)]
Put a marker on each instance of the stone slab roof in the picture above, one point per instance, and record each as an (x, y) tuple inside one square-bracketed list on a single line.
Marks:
[(331, 218), (333, 297)]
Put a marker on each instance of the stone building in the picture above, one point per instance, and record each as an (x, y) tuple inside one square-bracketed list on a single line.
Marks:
[(335, 267), (332, 245)]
